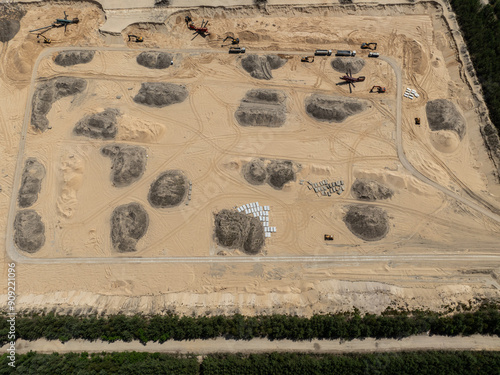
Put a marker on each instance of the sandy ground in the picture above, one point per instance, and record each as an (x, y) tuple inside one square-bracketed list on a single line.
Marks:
[(201, 137)]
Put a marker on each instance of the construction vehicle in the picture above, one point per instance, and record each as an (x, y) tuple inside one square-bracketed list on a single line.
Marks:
[(328, 237), (380, 89), (373, 54), (237, 49), (135, 38), (60, 22), (369, 46), (202, 30), (323, 52), (349, 79), (417, 120), (45, 39), (234, 41), (345, 53), (308, 59)]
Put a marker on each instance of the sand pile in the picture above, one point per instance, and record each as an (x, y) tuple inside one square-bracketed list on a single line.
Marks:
[(47, 93), (129, 223), (332, 108), (29, 231), (367, 222), (276, 173), (236, 230), (168, 190), (345, 64), (31, 182), (68, 58), (160, 94), (443, 115), (369, 190), (262, 107), (154, 60), (128, 163), (100, 125), (260, 66)]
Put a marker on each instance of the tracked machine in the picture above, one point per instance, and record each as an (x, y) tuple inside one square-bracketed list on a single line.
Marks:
[(135, 38), (349, 79), (308, 59), (378, 89), (371, 45), (234, 41), (60, 22), (202, 30)]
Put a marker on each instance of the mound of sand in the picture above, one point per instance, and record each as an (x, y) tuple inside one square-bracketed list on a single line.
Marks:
[(31, 182), (332, 108), (154, 60), (443, 115), (160, 94), (369, 190), (69, 58), (367, 222), (260, 66), (344, 64), (101, 125), (47, 93), (168, 190), (280, 172), (262, 107), (236, 230), (129, 223), (445, 141), (29, 231), (129, 163), (134, 129), (255, 172), (8, 29)]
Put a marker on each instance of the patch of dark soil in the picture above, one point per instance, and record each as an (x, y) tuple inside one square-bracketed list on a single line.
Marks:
[(31, 182), (344, 64), (332, 108), (168, 190), (29, 231), (367, 222), (369, 190), (262, 107), (260, 66), (13, 11), (255, 172), (236, 230), (129, 224), (50, 91), (443, 115), (69, 58), (275, 172), (129, 163), (8, 29), (162, 3), (101, 125), (155, 60), (160, 94)]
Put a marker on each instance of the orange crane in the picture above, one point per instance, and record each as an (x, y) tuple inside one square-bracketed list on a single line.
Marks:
[(380, 89)]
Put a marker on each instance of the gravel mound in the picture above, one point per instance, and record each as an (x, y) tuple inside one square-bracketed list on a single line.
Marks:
[(29, 231), (275, 172), (344, 64), (443, 115), (262, 107), (154, 60), (369, 190), (260, 66), (129, 223), (332, 108), (239, 231), (100, 125), (129, 163), (255, 172), (68, 58), (8, 29), (50, 91), (160, 94), (367, 222), (31, 182), (168, 190)]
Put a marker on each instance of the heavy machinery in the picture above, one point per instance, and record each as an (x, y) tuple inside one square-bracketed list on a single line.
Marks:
[(349, 79), (417, 120), (380, 89), (308, 59), (202, 30), (373, 54), (237, 49), (369, 46), (45, 39), (135, 38), (60, 22), (345, 53), (234, 41), (328, 237), (323, 52)]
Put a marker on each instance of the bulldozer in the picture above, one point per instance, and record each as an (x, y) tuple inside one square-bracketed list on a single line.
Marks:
[(135, 38), (380, 89), (328, 237), (417, 120), (234, 41), (369, 46), (308, 59)]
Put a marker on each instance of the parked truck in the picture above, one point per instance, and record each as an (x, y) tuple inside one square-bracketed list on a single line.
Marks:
[(373, 54), (345, 53), (237, 49), (323, 52)]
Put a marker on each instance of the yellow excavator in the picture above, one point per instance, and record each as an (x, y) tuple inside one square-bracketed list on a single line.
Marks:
[(308, 59), (369, 46), (45, 39), (234, 41), (135, 38)]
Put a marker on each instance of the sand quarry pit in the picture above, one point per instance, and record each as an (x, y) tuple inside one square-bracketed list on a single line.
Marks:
[(147, 168)]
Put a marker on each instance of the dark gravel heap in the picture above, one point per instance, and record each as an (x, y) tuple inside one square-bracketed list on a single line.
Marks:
[(29, 231), (129, 163), (31, 183), (69, 58), (160, 94), (255, 172), (367, 222), (129, 224), (101, 125), (154, 60), (239, 231), (369, 190), (262, 107), (8, 29), (443, 115), (344, 64), (280, 172), (260, 66), (168, 190), (332, 108)]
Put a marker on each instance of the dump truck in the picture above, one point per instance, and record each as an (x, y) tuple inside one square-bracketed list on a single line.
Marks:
[(373, 54), (237, 49), (345, 53), (328, 237), (323, 52)]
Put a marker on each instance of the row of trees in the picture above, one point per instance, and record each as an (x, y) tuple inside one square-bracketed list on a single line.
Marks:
[(392, 324), (411, 363)]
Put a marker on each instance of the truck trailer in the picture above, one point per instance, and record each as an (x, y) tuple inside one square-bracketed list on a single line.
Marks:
[(323, 52), (345, 53)]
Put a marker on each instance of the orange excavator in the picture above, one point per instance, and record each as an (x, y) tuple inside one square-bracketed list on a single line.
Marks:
[(380, 89)]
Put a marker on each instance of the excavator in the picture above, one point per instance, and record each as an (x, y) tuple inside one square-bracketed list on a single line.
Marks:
[(234, 41), (45, 39), (328, 237), (417, 120), (135, 38), (369, 46), (308, 59), (380, 89)]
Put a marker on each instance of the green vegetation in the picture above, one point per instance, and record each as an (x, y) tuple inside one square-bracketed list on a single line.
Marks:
[(352, 325), (480, 25)]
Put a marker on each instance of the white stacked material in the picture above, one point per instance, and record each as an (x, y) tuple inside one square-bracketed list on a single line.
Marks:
[(267, 234), (416, 95)]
